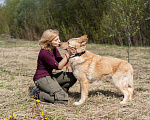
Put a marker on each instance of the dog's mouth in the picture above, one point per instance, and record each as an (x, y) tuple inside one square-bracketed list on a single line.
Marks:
[(65, 49), (63, 46)]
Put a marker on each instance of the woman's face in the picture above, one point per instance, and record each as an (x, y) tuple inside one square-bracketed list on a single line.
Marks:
[(55, 42)]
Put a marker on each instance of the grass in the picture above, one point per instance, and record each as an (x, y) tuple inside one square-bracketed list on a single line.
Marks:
[(17, 67)]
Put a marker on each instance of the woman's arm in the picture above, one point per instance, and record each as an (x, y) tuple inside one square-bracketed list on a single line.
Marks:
[(64, 61)]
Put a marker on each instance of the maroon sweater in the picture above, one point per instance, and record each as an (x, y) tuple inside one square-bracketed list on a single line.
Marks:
[(47, 61)]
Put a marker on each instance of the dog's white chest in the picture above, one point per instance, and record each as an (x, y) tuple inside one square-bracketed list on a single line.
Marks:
[(75, 65), (76, 60), (91, 69)]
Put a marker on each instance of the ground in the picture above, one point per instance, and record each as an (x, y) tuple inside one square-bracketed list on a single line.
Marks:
[(18, 64)]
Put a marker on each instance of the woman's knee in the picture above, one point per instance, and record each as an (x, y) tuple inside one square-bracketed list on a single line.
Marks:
[(45, 97), (61, 95)]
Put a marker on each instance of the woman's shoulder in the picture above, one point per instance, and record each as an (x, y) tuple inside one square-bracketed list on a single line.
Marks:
[(45, 52)]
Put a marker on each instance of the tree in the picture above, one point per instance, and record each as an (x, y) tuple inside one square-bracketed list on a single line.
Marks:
[(27, 15), (104, 21), (125, 19), (3, 24), (9, 10)]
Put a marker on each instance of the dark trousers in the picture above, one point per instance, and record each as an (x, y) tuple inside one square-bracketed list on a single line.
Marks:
[(54, 88)]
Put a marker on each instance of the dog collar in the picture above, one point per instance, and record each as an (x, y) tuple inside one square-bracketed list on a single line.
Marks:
[(78, 54)]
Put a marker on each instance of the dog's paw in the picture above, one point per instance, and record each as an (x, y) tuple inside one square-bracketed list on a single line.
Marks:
[(77, 103), (123, 102)]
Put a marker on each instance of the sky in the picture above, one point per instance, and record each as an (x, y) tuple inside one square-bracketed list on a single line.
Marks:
[(1, 1)]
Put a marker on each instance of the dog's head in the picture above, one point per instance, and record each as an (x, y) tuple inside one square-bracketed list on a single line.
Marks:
[(77, 43)]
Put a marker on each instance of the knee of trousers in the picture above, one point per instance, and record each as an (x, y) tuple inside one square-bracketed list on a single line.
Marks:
[(60, 95)]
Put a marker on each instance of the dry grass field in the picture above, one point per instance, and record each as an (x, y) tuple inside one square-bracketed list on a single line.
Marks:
[(17, 66)]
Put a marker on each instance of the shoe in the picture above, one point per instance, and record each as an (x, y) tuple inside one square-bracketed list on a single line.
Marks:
[(35, 93)]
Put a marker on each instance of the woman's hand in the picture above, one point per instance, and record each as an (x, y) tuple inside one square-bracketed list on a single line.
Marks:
[(71, 51)]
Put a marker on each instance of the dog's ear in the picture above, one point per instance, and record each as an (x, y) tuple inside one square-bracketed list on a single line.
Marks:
[(83, 39)]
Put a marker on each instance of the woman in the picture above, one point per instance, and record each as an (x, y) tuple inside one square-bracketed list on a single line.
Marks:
[(52, 87)]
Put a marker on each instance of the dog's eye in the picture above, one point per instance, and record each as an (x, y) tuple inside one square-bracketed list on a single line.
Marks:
[(69, 44)]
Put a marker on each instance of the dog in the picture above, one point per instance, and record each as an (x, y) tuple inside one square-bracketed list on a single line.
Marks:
[(88, 67)]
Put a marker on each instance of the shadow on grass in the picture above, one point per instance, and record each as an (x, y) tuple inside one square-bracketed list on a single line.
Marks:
[(106, 93)]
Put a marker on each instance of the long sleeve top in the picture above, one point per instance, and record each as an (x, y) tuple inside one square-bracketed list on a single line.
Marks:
[(47, 61)]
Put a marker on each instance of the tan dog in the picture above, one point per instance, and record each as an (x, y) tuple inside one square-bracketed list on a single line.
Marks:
[(88, 67)]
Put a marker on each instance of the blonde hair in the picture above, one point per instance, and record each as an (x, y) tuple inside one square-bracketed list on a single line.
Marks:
[(47, 37)]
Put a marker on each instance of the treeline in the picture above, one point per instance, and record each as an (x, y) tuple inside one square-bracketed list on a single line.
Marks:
[(104, 21)]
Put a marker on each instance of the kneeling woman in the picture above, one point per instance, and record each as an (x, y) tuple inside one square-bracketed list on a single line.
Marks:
[(52, 87)]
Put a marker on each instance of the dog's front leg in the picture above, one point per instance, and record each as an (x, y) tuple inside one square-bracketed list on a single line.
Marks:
[(84, 86)]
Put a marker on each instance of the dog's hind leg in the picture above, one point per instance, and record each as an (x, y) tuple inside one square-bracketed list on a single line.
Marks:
[(131, 86), (129, 81), (123, 80), (122, 84), (84, 91), (131, 90)]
